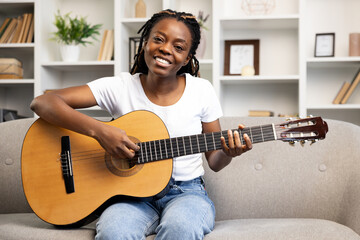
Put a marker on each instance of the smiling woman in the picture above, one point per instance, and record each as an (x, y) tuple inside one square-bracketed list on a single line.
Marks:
[(163, 80)]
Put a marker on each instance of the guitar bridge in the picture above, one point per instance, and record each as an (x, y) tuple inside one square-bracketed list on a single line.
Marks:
[(66, 164)]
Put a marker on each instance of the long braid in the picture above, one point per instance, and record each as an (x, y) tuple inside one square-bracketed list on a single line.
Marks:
[(190, 21)]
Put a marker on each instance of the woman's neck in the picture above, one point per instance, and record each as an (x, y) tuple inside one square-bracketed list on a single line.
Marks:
[(163, 91)]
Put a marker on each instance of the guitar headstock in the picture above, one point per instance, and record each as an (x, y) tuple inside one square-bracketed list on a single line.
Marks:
[(301, 130)]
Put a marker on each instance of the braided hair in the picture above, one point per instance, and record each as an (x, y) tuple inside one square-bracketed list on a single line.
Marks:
[(190, 21)]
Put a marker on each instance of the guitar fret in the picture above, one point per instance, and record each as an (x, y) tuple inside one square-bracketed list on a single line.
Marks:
[(262, 134), (252, 139), (151, 158), (160, 149), (142, 153), (213, 138), (197, 140), (146, 153), (155, 150), (184, 145), (167, 154), (192, 152), (177, 145)]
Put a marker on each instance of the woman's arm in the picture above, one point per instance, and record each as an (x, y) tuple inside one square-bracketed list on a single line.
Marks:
[(219, 159), (58, 108)]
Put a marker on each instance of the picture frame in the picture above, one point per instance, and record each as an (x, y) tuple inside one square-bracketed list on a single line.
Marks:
[(324, 45), (134, 43), (241, 53)]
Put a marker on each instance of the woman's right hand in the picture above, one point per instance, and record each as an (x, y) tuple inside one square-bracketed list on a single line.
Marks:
[(115, 142)]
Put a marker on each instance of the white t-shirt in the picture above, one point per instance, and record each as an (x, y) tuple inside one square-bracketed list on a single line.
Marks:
[(122, 94)]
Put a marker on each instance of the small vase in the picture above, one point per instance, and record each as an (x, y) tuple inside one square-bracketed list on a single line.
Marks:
[(70, 53), (140, 9), (200, 52)]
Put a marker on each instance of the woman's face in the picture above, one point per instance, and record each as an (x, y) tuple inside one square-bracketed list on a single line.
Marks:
[(167, 48)]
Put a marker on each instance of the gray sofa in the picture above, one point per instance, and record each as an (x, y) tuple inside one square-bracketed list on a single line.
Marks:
[(275, 191)]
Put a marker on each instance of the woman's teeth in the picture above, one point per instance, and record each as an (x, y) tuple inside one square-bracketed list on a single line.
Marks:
[(162, 61)]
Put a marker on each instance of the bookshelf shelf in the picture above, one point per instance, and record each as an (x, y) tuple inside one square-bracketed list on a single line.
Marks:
[(5, 83), (338, 62), (261, 22), (334, 107), (134, 24), (259, 79), (80, 66)]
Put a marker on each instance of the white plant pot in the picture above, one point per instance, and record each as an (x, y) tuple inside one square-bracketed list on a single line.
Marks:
[(70, 53)]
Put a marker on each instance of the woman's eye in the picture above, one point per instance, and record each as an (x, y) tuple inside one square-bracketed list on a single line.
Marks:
[(157, 39), (179, 48)]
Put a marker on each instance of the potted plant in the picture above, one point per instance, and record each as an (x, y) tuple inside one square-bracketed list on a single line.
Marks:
[(71, 32)]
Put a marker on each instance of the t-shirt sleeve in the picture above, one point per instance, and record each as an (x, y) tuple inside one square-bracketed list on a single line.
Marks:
[(103, 91), (212, 108)]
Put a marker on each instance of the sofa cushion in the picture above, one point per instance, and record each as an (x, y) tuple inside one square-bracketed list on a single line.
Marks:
[(27, 226), (281, 229), (12, 197)]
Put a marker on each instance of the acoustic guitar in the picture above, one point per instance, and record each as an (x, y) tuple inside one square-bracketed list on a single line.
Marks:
[(68, 178)]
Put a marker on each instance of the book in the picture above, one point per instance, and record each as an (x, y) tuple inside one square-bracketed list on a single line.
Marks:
[(340, 95), (101, 51), (8, 31), (107, 45), (110, 49), (260, 113), (4, 26), (31, 31), (26, 28), (25, 18), (352, 87), (17, 30)]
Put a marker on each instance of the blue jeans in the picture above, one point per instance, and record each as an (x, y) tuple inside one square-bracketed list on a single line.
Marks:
[(185, 212)]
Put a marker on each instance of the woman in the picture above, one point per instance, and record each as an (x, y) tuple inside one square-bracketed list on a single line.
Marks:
[(163, 80)]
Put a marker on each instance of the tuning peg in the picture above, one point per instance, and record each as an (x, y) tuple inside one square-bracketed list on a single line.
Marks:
[(302, 142), (313, 141), (292, 143)]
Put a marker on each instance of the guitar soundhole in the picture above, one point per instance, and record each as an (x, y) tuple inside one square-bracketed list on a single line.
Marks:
[(122, 167)]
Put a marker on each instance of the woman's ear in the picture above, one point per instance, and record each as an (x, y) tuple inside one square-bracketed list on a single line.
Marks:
[(189, 57)]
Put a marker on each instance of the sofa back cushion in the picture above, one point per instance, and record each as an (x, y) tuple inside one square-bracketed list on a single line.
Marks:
[(275, 180), (12, 197)]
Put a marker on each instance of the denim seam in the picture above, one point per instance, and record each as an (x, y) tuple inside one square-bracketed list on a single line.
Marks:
[(151, 223), (211, 206)]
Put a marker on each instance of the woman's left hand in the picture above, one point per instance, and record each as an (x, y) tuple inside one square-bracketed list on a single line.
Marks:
[(234, 146)]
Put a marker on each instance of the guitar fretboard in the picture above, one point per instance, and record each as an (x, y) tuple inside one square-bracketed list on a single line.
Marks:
[(187, 145)]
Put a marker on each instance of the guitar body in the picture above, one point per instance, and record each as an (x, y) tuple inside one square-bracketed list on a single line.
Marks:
[(98, 178)]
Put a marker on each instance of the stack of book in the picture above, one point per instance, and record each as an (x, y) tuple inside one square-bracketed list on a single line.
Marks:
[(17, 30), (10, 68), (260, 113), (347, 89), (106, 51)]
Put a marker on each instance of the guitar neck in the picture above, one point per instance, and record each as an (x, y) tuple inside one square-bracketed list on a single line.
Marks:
[(187, 145)]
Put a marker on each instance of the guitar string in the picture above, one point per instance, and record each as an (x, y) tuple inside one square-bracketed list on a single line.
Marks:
[(88, 152), (84, 155), (263, 136)]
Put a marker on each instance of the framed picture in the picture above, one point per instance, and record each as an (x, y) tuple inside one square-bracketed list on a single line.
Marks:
[(241, 53), (324, 45), (134, 43)]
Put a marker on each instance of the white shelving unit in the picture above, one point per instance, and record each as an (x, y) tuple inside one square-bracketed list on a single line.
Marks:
[(291, 80), (323, 77), (276, 87)]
